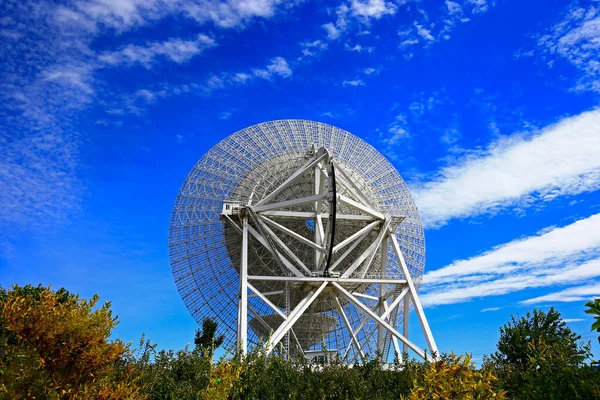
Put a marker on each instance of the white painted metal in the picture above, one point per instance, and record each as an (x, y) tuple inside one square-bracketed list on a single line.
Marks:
[(355, 236), (292, 178), (354, 281), (405, 325), (376, 318), (349, 327), (291, 203), (415, 299), (314, 207), (306, 214), (381, 300), (266, 300), (293, 317), (293, 234), (285, 261), (287, 251), (360, 207), (243, 300)]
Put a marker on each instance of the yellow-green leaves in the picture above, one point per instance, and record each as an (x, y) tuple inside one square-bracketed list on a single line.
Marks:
[(60, 348), (455, 377)]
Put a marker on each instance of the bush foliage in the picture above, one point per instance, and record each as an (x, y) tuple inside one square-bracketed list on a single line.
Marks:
[(55, 345)]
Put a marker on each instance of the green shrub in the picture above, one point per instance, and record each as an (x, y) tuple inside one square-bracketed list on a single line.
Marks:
[(539, 357), (455, 377)]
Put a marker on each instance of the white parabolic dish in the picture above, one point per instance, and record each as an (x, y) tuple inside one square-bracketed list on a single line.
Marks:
[(319, 202)]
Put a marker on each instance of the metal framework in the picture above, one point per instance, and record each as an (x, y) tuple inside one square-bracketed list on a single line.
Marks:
[(296, 234)]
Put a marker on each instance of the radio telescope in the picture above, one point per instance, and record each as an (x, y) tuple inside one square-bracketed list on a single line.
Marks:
[(300, 237)]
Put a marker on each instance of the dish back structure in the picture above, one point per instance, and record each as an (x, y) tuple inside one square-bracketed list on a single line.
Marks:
[(300, 236)]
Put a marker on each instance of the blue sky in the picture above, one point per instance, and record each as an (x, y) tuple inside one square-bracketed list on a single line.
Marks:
[(487, 108)]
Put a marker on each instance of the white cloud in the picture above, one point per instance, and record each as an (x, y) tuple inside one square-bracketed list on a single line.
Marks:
[(176, 50), (146, 95), (396, 134), (116, 14), (225, 115), (78, 77), (372, 8), (424, 32), (123, 15), (560, 160), (333, 32), (360, 11), (353, 82), (408, 43), (512, 282), (490, 309), (479, 6), (233, 13), (277, 67), (560, 256), (358, 48), (570, 320), (550, 246), (313, 48), (577, 40), (453, 8), (371, 71), (578, 293)]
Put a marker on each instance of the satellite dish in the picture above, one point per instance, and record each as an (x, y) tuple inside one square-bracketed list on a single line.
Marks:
[(293, 234)]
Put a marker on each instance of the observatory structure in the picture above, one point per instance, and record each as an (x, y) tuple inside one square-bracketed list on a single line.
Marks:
[(295, 234)]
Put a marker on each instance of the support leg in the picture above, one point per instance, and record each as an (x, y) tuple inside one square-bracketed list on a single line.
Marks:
[(243, 297)]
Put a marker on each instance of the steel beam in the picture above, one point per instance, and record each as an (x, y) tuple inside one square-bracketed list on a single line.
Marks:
[(311, 163), (266, 300), (294, 316), (291, 203), (376, 318), (349, 327), (318, 279), (243, 297), (415, 298), (364, 209)]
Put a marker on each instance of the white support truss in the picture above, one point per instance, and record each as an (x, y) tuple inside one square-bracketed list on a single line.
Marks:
[(309, 217), (268, 223)]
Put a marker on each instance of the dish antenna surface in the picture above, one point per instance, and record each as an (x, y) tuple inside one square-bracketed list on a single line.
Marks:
[(295, 234)]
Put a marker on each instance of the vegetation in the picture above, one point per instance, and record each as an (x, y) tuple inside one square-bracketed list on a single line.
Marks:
[(55, 345), (594, 309), (455, 377), (539, 357)]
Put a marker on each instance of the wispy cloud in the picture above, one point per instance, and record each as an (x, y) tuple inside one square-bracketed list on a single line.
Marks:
[(372, 8), (278, 66), (175, 49), (353, 82), (570, 320), (358, 48), (560, 160), (42, 89), (123, 15), (234, 13), (357, 12), (576, 39), (424, 32), (559, 256), (372, 71), (314, 48), (479, 6), (333, 31), (578, 293), (490, 309)]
